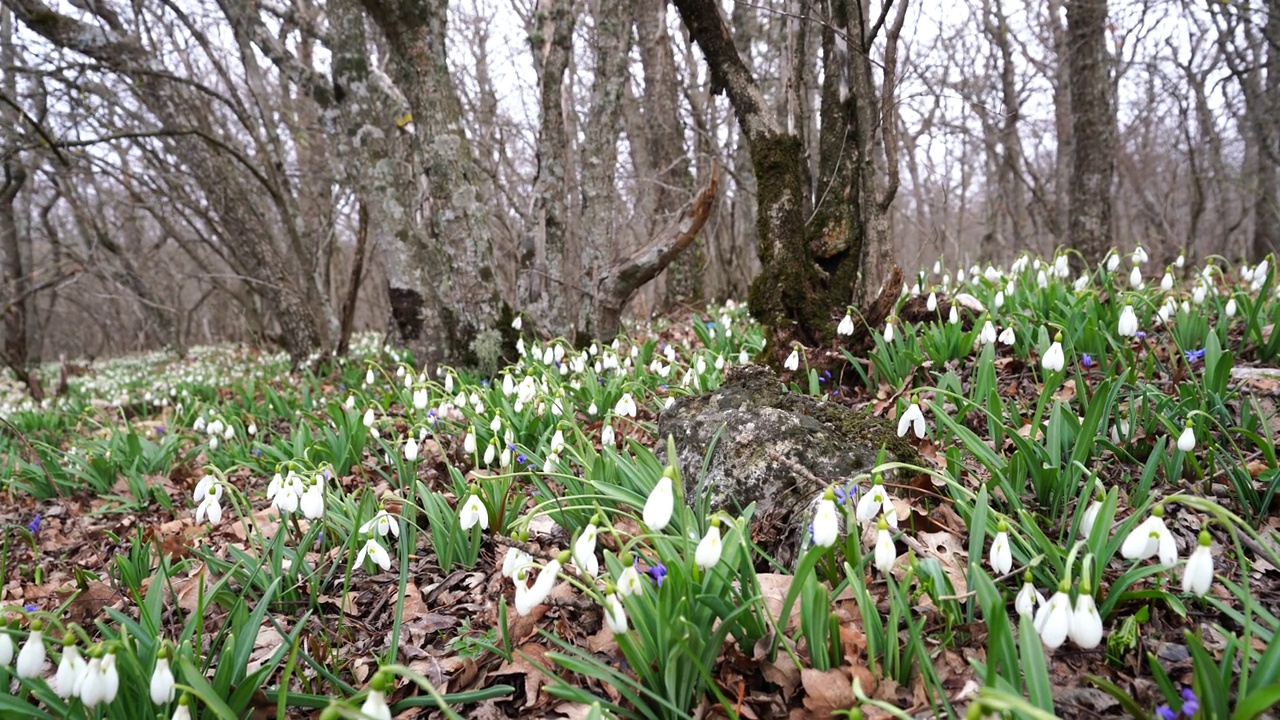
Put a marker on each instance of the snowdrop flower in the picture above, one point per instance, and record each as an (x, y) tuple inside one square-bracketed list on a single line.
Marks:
[(1028, 597), (1231, 307), (1086, 624), (875, 502), (1081, 283), (1197, 576), (1128, 325), (251, 430), (93, 686), (953, 317), (743, 357), (998, 302), (629, 582), (1113, 261), (71, 670), (515, 562), (1187, 440), (368, 418), (660, 503), (846, 325), (517, 323), (528, 598), (826, 522), (1151, 537), (912, 418), (710, 547), (162, 681), (411, 449), (988, 334), (1139, 255), (614, 614), (31, 656), (1042, 280), (1182, 260), (1054, 359), (375, 552), (932, 302), (584, 550), (311, 501), (888, 330), (490, 451), (375, 705), (1007, 336), (469, 443), (473, 513), (369, 377), (1198, 295), (7, 649), (626, 406), (209, 495), (1090, 516), (285, 492), (1135, 277), (1001, 557), (885, 554), (110, 679), (607, 438), (381, 523), (1053, 619), (1166, 282), (793, 360)]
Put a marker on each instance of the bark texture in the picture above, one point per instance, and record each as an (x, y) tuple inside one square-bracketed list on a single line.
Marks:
[(1093, 124)]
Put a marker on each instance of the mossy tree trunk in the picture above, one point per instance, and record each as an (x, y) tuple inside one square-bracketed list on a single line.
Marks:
[(812, 266)]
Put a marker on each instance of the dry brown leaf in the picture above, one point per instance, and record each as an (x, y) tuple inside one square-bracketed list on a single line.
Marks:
[(773, 590), (826, 692), (525, 663)]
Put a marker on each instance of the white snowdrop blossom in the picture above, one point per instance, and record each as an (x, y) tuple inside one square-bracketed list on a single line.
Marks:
[(913, 419), (1053, 619), (988, 334), (875, 502), (709, 548), (375, 704), (1135, 277), (71, 672), (208, 495), (528, 598), (469, 443), (826, 522), (954, 316), (411, 449), (1139, 255), (629, 582), (888, 331), (1054, 359), (886, 554), (517, 323), (162, 681), (381, 523), (368, 418), (32, 655), (473, 513), (1007, 336), (1231, 307), (1197, 576), (846, 325), (660, 504), (792, 362), (311, 502), (1113, 261), (1151, 537), (1028, 598), (515, 562), (584, 550), (1001, 557), (626, 406), (1090, 517), (92, 685), (615, 615), (1128, 325), (1086, 623), (1166, 282), (607, 438), (285, 492), (932, 303), (375, 552), (1187, 440)]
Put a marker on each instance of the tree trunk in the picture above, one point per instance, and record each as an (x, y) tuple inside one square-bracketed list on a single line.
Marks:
[(441, 281), (1266, 119), (812, 270), (1093, 116)]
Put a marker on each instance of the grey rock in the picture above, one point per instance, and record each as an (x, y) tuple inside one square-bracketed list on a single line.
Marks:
[(778, 449)]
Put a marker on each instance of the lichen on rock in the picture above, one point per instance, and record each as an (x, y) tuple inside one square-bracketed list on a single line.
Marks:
[(769, 432)]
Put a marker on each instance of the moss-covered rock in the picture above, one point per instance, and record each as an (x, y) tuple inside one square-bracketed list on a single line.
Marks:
[(778, 449)]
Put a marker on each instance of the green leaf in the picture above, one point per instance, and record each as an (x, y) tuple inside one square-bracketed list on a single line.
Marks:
[(1258, 702), (1035, 669)]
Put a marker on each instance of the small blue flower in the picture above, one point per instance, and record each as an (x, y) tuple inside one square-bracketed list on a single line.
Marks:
[(159, 430), (1194, 355), (1140, 335), (1086, 360), (1190, 703), (484, 383), (1164, 712), (522, 459), (34, 525), (257, 452), (31, 607), (846, 493), (658, 573), (662, 386)]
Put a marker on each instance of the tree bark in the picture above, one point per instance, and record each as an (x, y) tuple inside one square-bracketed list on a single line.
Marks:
[(1093, 116)]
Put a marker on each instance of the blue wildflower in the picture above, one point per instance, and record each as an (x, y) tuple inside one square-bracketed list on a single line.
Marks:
[(522, 459), (846, 493), (31, 607), (658, 573), (34, 525), (484, 383), (1086, 360), (1194, 355), (1190, 703), (1140, 335), (1164, 712)]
